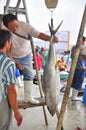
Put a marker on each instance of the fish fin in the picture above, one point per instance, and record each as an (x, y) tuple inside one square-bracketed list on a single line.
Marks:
[(52, 112)]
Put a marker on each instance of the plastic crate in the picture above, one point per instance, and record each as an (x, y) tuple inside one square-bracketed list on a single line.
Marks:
[(84, 96)]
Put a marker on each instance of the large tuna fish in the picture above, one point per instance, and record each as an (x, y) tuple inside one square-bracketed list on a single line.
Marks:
[(51, 81)]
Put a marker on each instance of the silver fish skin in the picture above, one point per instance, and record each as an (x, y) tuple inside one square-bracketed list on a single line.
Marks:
[(51, 81)]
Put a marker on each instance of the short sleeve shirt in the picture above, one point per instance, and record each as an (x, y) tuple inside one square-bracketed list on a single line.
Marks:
[(20, 46), (7, 74)]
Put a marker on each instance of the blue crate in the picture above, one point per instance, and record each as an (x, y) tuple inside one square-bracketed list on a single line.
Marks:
[(84, 96), (64, 75)]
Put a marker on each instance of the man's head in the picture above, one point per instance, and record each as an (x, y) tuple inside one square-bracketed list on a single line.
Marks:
[(5, 39), (83, 41), (11, 22), (84, 38)]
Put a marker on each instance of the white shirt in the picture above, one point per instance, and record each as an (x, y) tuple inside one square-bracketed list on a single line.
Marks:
[(21, 47)]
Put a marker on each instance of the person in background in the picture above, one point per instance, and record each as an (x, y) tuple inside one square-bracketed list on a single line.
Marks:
[(39, 65), (68, 61), (19, 85), (44, 56), (85, 67), (18, 78), (62, 64), (8, 98), (21, 50), (38, 59), (68, 56), (79, 71)]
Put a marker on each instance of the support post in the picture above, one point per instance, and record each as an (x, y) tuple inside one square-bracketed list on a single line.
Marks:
[(72, 70)]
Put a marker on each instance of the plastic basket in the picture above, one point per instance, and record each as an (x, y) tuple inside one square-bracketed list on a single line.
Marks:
[(84, 96)]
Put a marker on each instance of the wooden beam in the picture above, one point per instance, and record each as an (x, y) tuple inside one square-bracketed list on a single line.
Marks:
[(23, 105), (72, 70)]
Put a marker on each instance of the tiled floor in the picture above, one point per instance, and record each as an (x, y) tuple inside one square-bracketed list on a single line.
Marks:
[(33, 118)]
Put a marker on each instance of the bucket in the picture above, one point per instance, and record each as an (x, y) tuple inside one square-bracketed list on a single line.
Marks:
[(17, 73), (84, 96)]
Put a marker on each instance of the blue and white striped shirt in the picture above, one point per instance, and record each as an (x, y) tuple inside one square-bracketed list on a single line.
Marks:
[(7, 74)]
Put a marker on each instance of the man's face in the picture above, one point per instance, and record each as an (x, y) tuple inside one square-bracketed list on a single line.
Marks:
[(13, 26), (83, 43)]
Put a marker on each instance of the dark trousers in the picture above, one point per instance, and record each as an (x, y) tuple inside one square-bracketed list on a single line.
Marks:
[(78, 79)]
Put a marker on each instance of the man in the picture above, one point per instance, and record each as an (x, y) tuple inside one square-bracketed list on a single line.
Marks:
[(79, 71), (8, 98), (21, 50)]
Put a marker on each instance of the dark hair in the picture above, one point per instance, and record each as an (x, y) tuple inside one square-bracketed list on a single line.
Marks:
[(8, 18), (37, 50), (4, 36), (42, 49), (84, 38)]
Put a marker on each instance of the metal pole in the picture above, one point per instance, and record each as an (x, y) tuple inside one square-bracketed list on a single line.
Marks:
[(25, 8), (17, 6), (6, 7)]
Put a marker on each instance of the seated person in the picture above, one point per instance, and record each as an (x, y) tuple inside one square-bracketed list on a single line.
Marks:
[(62, 65)]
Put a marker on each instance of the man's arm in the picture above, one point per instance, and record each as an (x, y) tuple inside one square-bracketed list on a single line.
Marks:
[(12, 97), (45, 37), (19, 66)]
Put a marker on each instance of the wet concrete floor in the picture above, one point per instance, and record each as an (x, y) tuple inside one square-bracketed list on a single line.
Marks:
[(33, 118)]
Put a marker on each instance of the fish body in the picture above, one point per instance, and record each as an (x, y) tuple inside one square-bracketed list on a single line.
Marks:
[(51, 81)]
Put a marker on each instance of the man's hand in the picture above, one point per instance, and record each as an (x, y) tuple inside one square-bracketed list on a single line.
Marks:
[(12, 97), (19, 66), (46, 37), (18, 118), (55, 39)]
